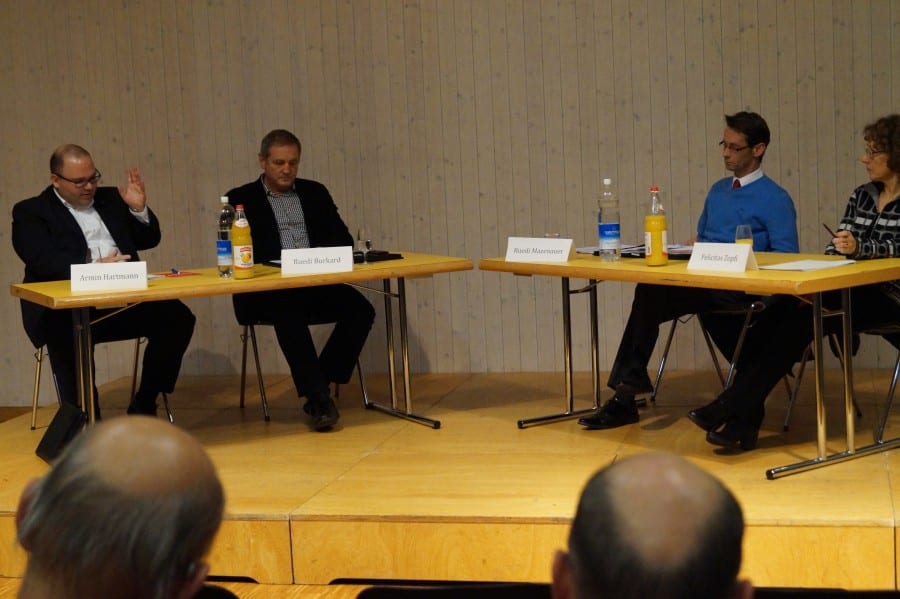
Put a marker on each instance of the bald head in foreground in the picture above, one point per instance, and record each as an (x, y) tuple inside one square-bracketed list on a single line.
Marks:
[(129, 510), (653, 526)]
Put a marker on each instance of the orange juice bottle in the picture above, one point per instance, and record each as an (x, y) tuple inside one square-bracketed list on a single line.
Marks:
[(656, 247), (241, 245)]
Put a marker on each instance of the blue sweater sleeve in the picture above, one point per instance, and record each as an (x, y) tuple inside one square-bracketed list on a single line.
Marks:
[(780, 218)]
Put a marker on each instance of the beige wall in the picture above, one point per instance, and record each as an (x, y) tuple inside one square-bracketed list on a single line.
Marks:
[(441, 126)]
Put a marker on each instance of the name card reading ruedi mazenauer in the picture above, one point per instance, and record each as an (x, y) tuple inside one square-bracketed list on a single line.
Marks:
[(108, 276), (538, 249), (722, 257), (316, 260)]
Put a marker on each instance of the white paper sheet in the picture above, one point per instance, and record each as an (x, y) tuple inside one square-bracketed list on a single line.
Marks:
[(805, 265)]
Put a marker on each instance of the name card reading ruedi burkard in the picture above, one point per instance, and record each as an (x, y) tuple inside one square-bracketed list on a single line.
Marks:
[(99, 276), (316, 260), (538, 249)]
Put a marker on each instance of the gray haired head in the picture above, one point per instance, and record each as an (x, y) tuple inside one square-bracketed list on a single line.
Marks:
[(129, 510)]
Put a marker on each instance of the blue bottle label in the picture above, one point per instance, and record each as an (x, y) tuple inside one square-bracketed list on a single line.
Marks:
[(609, 234), (223, 252)]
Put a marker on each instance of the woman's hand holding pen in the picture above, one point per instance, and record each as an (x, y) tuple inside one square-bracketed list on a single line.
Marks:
[(843, 241)]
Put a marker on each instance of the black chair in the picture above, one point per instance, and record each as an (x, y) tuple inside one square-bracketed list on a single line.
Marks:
[(789, 592), (542, 591), (461, 590), (891, 333), (39, 356), (747, 311), (249, 333)]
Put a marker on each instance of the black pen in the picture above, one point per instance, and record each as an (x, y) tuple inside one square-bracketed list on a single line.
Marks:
[(832, 233)]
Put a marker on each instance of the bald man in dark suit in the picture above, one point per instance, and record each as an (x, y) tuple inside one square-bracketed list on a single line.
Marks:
[(74, 221)]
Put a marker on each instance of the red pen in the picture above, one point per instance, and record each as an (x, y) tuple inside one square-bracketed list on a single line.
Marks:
[(832, 233)]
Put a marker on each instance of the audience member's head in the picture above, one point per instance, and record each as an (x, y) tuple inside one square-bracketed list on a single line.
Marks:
[(129, 510), (653, 526)]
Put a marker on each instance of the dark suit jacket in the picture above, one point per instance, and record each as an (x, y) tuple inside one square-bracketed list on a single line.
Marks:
[(323, 223), (48, 240)]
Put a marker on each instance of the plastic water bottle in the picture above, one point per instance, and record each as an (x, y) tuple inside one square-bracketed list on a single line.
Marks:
[(242, 245), (656, 241), (223, 239), (609, 230)]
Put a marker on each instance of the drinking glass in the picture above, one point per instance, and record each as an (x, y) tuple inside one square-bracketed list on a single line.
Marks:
[(361, 240), (363, 243), (743, 234)]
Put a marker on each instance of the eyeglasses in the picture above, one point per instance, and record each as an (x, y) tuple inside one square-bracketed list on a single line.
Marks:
[(80, 183), (731, 147), (872, 153)]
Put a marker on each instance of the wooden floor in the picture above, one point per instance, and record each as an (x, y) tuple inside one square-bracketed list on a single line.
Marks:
[(480, 499)]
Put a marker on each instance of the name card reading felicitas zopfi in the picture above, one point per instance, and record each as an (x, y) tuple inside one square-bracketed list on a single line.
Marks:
[(723, 257), (108, 276), (538, 249), (306, 261)]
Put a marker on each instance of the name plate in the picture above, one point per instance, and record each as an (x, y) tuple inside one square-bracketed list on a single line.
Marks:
[(538, 249), (723, 257), (108, 276), (307, 261)]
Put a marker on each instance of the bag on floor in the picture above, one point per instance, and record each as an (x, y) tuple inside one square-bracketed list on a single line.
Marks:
[(68, 422)]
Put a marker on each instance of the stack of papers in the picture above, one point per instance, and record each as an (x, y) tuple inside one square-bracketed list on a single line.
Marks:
[(805, 265), (680, 250), (638, 250)]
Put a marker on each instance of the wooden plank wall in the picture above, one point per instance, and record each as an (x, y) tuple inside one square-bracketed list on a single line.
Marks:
[(441, 126)]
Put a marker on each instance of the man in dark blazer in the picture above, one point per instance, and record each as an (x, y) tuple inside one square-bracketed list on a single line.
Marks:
[(73, 221), (289, 213)]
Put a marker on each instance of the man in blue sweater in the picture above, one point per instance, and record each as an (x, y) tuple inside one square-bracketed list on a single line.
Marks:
[(748, 197)]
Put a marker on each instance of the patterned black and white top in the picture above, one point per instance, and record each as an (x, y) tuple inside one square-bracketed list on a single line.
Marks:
[(289, 216), (877, 233)]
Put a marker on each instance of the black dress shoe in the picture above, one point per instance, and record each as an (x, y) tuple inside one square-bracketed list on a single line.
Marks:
[(712, 415), (322, 410), (734, 436), (618, 411), (639, 386), (134, 409), (143, 405)]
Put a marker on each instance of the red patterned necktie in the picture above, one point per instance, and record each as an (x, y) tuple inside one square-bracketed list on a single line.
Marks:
[(736, 184)]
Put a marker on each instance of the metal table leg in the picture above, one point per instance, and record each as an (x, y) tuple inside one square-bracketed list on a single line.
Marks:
[(823, 459), (393, 409), (81, 328), (570, 412)]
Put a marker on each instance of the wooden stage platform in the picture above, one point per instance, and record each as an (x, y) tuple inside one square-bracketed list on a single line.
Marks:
[(479, 499)]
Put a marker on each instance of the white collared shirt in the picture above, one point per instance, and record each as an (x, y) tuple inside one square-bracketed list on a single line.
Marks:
[(99, 240), (749, 178)]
